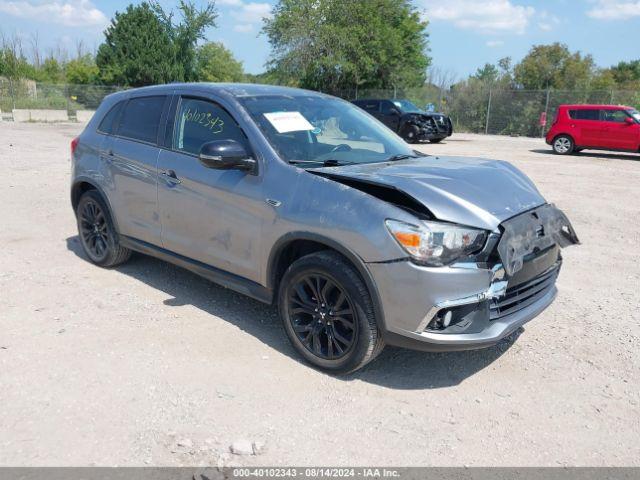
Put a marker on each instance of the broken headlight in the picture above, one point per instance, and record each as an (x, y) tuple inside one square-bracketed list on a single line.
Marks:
[(436, 244)]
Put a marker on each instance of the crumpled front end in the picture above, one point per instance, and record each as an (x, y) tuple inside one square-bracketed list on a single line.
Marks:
[(477, 302), (533, 231), (431, 127)]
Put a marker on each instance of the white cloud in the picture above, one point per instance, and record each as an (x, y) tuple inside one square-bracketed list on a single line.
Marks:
[(547, 21), (614, 9), (489, 16), (243, 28), (248, 14), (494, 43), (71, 13), (252, 12)]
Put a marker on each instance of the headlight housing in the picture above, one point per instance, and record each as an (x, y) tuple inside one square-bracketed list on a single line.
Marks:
[(436, 244)]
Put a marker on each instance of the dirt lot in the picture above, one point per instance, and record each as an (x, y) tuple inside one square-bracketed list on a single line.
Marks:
[(149, 364)]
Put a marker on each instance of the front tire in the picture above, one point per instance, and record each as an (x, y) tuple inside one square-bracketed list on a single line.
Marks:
[(328, 313), (563, 145), (98, 236), (410, 134)]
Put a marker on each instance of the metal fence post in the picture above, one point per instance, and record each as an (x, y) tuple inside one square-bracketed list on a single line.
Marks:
[(486, 126), (546, 113)]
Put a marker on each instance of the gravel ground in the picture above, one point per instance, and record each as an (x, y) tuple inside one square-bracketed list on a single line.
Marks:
[(150, 364)]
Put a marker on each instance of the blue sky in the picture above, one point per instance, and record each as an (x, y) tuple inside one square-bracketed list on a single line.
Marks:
[(465, 34)]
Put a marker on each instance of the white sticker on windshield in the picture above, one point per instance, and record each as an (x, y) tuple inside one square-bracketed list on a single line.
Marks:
[(285, 122)]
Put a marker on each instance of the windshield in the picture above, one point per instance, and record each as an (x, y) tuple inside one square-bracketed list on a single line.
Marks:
[(635, 114), (319, 130), (406, 106)]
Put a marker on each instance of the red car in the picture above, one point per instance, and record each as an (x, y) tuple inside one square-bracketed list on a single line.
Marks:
[(601, 127)]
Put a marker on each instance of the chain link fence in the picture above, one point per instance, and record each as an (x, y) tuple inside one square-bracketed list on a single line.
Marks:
[(29, 95), (474, 108), (478, 109)]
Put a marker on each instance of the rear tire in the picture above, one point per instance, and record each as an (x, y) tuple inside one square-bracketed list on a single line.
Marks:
[(563, 145), (98, 236), (328, 313)]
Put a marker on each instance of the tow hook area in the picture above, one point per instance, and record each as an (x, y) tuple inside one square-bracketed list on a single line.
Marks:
[(443, 314)]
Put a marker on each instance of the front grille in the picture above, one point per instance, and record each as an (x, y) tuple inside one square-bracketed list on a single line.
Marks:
[(441, 124), (521, 296)]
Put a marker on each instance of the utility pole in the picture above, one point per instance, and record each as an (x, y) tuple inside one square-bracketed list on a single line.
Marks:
[(546, 113)]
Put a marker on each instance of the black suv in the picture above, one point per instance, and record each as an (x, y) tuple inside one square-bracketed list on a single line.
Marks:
[(407, 120)]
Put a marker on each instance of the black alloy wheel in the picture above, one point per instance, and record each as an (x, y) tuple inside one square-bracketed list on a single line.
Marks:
[(99, 238), (94, 231), (328, 313), (322, 316)]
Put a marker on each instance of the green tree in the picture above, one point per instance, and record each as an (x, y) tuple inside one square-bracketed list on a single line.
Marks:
[(487, 74), (216, 63), (185, 35), (332, 45), (51, 71), (554, 66), (627, 74), (137, 50), (81, 71)]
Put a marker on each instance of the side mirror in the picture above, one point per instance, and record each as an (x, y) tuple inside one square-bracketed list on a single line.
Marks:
[(394, 111), (629, 121), (226, 155)]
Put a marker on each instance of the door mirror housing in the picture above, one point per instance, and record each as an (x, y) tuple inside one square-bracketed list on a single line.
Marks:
[(629, 121), (394, 111), (226, 155)]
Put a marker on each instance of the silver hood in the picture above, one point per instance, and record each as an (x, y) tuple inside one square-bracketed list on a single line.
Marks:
[(469, 191)]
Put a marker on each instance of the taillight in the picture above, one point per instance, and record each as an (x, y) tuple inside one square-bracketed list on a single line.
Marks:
[(74, 144)]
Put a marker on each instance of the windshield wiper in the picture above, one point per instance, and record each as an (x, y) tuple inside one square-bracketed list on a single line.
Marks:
[(325, 163), (401, 156)]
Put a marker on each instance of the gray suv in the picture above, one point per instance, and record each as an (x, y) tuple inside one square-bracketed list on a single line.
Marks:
[(302, 199)]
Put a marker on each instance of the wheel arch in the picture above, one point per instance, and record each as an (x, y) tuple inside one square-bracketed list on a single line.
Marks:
[(294, 245), (555, 137), (82, 185)]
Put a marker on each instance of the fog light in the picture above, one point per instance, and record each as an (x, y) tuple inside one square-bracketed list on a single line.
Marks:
[(446, 320)]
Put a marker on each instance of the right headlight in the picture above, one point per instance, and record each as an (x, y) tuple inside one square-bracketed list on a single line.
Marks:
[(436, 244)]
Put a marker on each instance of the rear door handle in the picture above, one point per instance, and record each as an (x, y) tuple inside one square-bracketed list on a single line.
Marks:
[(170, 176), (108, 154)]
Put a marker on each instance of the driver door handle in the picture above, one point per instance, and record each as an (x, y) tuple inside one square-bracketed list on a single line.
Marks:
[(170, 176)]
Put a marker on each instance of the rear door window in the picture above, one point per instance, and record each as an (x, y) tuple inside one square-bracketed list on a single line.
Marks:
[(585, 114), (201, 121), (372, 106), (140, 118), (108, 123)]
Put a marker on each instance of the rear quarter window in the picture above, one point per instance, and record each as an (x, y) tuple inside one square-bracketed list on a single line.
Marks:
[(140, 118), (109, 121)]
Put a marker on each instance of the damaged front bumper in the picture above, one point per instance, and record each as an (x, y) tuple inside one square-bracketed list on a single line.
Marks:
[(476, 304), (435, 127)]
